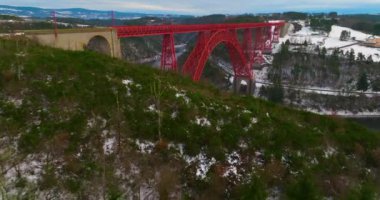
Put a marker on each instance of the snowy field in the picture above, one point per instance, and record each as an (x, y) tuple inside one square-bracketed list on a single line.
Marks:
[(331, 40)]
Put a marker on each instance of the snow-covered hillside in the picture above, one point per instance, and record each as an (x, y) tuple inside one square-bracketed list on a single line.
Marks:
[(331, 40), (337, 30)]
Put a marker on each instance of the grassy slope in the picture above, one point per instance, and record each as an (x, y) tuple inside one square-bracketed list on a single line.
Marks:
[(62, 106)]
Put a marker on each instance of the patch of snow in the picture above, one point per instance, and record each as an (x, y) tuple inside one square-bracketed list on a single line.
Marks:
[(37, 122), (177, 147), (258, 160), (314, 161), (144, 146), (109, 146), (134, 169), (243, 82), (233, 160), (30, 168), (243, 144), (202, 121), (329, 151), (128, 83), (261, 75), (252, 122), (330, 43), (139, 86), (246, 111), (82, 25), (227, 108), (49, 78), (152, 108), (96, 121), (174, 115), (219, 124), (285, 161), (182, 94), (91, 123), (203, 164), (337, 30), (16, 102), (366, 51), (21, 54), (148, 191), (274, 194)]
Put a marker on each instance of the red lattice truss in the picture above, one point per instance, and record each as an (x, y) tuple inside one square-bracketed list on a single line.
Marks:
[(243, 55)]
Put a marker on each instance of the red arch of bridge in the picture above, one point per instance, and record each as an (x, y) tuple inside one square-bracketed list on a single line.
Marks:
[(242, 56), (195, 63)]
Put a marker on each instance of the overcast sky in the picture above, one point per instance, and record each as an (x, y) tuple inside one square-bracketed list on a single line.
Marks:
[(200, 7)]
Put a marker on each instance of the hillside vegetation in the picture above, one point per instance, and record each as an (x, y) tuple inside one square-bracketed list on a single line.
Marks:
[(79, 125)]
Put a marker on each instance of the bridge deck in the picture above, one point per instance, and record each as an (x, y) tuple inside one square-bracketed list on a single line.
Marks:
[(138, 31)]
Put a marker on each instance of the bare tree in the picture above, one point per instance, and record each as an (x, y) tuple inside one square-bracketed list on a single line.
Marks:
[(118, 119), (156, 89)]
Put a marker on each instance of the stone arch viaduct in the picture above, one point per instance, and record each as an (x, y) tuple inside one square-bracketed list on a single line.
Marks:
[(103, 40)]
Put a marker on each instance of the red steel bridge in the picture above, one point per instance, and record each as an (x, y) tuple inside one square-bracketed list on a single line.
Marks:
[(243, 55)]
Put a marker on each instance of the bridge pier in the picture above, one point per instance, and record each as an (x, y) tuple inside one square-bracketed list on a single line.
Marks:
[(168, 57), (244, 85)]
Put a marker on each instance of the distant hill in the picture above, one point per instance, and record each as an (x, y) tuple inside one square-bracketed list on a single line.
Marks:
[(35, 12)]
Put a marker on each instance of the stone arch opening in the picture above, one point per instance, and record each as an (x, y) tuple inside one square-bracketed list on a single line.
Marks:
[(99, 44), (243, 85)]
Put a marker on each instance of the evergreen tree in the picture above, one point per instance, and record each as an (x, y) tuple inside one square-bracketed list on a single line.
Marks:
[(282, 56), (361, 57), (362, 83), (376, 85), (276, 93), (323, 52), (318, 50), (351, 57), (296, 71), (334, 62), (369, 59), (345, 35)]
